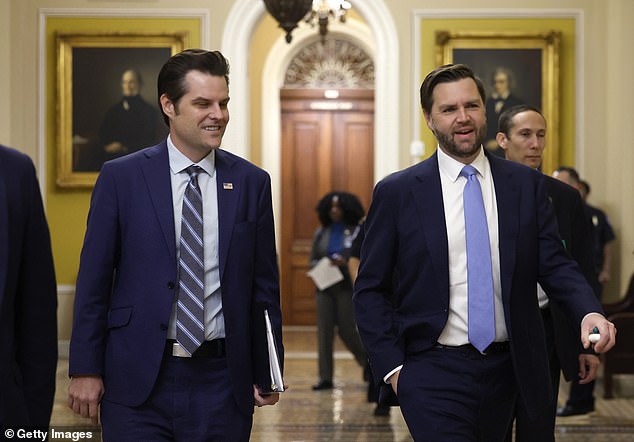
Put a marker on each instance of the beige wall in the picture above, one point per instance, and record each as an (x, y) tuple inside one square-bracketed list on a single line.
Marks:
[(605, 120), (5, 75)]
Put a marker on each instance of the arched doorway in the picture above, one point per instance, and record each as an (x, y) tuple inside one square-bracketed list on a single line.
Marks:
[(327, 143)]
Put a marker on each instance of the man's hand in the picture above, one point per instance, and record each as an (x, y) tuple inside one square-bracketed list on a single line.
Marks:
[(84, 395), (394, 381), (266, 399), (607, 330), (588, 368), (604, 276)]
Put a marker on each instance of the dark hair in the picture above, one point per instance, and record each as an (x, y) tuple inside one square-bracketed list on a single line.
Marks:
[(571, 171), (505, 122), (585, 185), (350, 206), (446, 74), (171, 78)]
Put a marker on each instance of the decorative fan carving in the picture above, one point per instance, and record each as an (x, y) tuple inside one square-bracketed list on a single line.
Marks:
[(335, 64)]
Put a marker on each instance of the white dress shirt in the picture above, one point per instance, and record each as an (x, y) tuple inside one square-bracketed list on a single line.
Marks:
[(214, 318), (456, 330)]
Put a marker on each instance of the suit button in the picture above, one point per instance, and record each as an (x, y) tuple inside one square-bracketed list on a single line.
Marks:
[(163, 327), (170, 285)]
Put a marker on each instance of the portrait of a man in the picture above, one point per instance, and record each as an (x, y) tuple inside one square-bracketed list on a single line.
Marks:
[(114, 106), (511, 77)]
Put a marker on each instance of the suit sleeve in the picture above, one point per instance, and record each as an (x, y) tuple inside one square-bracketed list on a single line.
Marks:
[(36, 308), (559, 275), (95, 280), (373, 290), (265, 284), (582, 247)]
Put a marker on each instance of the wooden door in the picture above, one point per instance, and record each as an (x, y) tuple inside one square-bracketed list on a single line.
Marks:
[(327, 144)]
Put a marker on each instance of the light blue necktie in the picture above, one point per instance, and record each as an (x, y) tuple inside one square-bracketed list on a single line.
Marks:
[(190, 318), (479, 274)]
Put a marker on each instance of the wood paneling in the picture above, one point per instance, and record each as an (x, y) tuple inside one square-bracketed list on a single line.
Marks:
[(327, 144)]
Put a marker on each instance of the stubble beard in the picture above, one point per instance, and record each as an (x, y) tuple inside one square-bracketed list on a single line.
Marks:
[(449, 146)]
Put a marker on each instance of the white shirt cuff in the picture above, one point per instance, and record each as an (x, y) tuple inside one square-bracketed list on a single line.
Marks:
[(387, 376)]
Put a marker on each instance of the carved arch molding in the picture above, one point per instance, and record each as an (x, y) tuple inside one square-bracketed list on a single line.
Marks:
[(334, 64)]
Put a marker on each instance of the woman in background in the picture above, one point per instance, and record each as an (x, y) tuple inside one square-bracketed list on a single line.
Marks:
[(339, 214)]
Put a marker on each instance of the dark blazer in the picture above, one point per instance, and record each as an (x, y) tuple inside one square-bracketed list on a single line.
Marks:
[(574, 230), (127, 278), (402, 291), (28, 298)]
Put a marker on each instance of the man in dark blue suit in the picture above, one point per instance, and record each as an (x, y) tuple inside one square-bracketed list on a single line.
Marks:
[(522, 135), (411, 295), (129, 352), (28, 299)]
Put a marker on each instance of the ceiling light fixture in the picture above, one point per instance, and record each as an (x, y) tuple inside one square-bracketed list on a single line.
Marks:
[(288, 13)]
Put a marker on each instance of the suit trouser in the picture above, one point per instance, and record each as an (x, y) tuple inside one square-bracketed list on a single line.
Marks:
[(581, 395), (542, 428), (335, 309), (192, 400), (457, 395)]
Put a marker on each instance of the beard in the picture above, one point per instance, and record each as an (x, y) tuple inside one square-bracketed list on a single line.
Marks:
[(446, 142)]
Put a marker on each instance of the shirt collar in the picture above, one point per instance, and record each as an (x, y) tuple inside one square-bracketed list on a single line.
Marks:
[(452, 167), (179, 162)]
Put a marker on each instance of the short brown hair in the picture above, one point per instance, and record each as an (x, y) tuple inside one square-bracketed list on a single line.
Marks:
[(446, 74)]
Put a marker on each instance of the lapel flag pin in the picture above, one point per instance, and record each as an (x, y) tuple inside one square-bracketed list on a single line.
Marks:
[(227, 186)]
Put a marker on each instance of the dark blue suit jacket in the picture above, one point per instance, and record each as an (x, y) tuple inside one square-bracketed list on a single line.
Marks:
[(402, 291), (574, 230), (28, 298), (127, 278)]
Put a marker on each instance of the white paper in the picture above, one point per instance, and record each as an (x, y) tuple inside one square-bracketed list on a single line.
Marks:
[(277, 384), (325, 274)]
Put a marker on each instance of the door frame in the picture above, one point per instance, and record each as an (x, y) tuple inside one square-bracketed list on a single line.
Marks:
[(386, 159)]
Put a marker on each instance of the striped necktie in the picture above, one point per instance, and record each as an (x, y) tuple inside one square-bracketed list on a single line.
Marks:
[(190, 318), (479, 269)]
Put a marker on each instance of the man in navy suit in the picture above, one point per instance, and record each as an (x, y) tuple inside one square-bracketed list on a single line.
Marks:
[(126, 353), (28, 299), (522, 135), (411, 292)]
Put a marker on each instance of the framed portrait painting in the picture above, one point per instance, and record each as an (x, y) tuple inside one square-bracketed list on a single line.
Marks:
[(107, 99), (516, 68)]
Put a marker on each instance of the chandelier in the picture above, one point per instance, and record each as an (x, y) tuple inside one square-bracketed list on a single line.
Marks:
[(288, 13)]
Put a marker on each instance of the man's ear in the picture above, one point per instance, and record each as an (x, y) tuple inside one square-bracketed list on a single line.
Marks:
[(501, 139), (167, 105)]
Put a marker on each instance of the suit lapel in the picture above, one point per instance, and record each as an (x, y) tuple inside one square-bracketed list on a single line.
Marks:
[(229, 185), (507, 198), (427, 195), (159, 185)]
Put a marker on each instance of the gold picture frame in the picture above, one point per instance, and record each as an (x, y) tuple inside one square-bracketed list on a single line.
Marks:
[(531, 60), (90, 77)]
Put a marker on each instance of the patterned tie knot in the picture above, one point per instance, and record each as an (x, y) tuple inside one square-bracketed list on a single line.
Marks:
[(468, 171), (193, 171)]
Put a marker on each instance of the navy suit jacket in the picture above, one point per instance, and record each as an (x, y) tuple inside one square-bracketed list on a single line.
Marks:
[(28, 298), (402, 291), (574, 230), (128, 274)]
